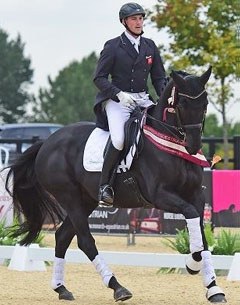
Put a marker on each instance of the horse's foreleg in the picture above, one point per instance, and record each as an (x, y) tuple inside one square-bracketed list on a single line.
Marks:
[(194, 260), (195, 234), (201, 259), (214, 292)]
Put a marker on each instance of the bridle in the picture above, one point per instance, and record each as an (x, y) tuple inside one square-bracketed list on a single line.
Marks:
[(192, 97), (174, 103)]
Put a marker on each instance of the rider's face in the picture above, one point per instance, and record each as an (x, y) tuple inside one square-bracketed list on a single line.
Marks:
[(135, 23)]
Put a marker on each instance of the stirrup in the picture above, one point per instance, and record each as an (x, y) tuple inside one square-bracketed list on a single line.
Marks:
[(106, 196)]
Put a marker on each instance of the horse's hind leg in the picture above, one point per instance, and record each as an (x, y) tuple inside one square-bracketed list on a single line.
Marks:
[(78, 215), (87, 244), (63, 238)]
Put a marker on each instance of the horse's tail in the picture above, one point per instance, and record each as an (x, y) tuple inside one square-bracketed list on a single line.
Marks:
[(29, 197)]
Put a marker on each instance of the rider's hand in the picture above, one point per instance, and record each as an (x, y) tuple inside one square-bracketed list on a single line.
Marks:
[(126, 100)]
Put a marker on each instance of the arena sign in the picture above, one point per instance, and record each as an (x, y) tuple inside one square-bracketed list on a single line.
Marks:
[(6, 209), (222, 208)]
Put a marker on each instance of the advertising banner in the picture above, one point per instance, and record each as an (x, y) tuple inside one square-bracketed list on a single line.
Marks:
[(222, 208), (207, 187), (226, 198), (6, 208), (110, 220), (138, 221)]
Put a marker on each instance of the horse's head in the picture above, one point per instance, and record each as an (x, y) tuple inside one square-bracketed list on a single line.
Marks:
[(189, 100)]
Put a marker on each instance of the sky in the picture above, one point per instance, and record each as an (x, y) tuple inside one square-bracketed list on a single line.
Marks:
[(56, 32)]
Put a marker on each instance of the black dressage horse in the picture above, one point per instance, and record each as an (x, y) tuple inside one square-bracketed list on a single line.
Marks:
[(49, 178)]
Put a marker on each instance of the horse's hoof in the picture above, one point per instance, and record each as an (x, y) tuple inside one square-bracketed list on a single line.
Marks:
[(218, 298), (193, 267), (216, 295), (64, 294), (192, 272), (122, 294)]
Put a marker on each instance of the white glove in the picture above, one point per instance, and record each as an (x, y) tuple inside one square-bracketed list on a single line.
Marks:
[(126, 100)]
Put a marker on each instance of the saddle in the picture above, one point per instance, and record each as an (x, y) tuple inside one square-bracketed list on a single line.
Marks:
[(98, 140)]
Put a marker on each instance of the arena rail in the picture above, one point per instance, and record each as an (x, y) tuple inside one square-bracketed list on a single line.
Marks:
[(34, 253)]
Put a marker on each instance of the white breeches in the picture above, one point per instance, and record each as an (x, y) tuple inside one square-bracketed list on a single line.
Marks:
[(117, 116)]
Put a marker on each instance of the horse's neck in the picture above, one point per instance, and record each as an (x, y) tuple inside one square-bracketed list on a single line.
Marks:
[(161, 112)]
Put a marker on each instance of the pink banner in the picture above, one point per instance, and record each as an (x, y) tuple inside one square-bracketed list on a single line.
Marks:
[(226, 190)]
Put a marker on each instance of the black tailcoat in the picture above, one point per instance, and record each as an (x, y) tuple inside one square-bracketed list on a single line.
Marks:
[(128, 69)]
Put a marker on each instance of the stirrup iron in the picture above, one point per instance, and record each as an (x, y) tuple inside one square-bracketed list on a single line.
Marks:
[(106, 196)]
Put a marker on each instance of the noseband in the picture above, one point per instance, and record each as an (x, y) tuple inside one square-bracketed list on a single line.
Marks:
[(181, 126)]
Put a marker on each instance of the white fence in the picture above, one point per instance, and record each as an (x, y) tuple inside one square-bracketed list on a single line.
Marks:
[(32, 258), (222, 262)]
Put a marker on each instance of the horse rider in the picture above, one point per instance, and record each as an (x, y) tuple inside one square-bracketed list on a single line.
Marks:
[(128, 59)]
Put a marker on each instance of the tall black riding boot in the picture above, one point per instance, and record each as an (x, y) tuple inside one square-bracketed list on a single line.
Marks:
[(106, 193)]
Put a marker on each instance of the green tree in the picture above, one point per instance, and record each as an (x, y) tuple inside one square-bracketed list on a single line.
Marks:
[(15, 76), (235, 129), (211, 126), (70, 96), (202, 33)]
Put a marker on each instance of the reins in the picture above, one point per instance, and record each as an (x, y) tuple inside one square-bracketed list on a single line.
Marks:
[(169, 127), (178, 131)]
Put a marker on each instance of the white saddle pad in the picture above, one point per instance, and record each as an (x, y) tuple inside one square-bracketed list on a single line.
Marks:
[(93, 152)]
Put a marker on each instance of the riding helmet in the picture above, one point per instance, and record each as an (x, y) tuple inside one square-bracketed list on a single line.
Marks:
[(130, 9)]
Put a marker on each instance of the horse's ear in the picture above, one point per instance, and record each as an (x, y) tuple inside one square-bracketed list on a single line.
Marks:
[(205, 77), (178, 79)]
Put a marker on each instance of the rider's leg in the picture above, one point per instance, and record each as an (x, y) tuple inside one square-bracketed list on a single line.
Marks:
[(111, 160), (117, 116)]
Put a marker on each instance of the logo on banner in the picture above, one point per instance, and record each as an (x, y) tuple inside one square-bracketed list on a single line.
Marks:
[(111, 220)]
